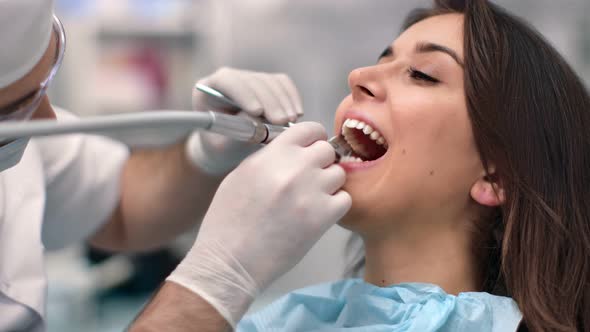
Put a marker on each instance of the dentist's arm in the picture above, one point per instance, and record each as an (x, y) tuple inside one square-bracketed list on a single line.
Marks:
[(175, 308), (162, 195), (166, 192), (263, 219)]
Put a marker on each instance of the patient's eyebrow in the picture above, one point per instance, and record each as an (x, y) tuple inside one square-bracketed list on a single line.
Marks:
[(426, 47), (386, 52)]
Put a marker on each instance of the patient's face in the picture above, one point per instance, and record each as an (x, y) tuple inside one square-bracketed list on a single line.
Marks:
[(427, 160)]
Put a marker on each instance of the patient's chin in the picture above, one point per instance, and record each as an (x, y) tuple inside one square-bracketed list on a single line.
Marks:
[(356, 220), (369, 216), (347, 222)]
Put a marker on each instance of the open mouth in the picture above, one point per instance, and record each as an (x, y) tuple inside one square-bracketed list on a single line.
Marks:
[(366, 142)]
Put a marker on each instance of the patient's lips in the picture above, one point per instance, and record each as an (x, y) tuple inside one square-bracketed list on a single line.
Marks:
[(367, 143)]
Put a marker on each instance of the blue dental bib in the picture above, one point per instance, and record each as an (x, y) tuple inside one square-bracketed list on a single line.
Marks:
[(354, 305)]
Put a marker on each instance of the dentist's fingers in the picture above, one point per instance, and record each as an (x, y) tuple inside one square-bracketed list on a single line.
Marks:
[(273, 96), (274, 111), (332, 179), (336, 206), (274, 86), (291, 91), (322, 153), (234, 84), (301, 134), (342, 202)]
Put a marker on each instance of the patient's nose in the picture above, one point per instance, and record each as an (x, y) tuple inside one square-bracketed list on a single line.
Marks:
[(364, 85)]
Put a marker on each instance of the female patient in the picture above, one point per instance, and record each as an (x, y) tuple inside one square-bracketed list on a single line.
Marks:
[(473, 194)]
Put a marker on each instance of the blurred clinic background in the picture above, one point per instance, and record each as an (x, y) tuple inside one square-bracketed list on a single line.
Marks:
[(133, 55)]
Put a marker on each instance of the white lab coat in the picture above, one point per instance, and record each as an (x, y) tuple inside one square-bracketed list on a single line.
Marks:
[(62, 191)]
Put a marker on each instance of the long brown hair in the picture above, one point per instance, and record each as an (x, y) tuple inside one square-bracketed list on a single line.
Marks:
[(530, 115)]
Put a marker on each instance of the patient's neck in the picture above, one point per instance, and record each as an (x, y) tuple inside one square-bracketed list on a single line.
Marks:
[(441, 256)]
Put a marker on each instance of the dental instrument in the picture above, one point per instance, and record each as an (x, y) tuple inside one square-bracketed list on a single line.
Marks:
[(148, 129), (222, 100), (338, 142), (217, 96), (162, 128), (156, 128)]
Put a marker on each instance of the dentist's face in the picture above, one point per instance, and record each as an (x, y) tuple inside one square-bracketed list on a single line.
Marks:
[(424, 158), (19, 92)]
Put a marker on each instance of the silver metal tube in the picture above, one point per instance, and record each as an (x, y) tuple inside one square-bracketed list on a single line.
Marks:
[(273, 132), (237, 127), (244, 128), (341, 147)]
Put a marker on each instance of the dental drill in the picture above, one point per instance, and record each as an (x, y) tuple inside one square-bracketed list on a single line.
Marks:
[(157, 128), (162, 128), (338, 142)]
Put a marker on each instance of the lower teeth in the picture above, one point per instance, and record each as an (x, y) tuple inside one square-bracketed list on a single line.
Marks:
[(351, 159)]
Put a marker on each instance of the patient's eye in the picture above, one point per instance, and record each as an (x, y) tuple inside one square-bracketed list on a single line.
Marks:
[(420, 76)]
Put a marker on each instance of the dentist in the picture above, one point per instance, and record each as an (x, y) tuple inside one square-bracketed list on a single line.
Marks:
[(257, 222)]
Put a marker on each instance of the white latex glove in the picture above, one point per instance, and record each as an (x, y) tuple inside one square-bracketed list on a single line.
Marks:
[(272, 97), (264, 218)]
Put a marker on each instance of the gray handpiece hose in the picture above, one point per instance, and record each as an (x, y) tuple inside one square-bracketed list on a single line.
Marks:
[(157, 128), (147, 129)]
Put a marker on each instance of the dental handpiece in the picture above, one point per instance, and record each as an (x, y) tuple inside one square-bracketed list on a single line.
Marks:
[(244, 128), (155, 128), (257, 132), (235, 127), (338, 142)]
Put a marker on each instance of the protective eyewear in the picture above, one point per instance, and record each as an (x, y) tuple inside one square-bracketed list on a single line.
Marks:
[(25, 110)]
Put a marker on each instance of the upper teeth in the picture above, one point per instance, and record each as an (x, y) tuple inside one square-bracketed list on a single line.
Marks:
[(365, 128)]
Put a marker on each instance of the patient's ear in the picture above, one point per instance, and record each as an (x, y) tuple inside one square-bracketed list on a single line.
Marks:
[(488, 190)]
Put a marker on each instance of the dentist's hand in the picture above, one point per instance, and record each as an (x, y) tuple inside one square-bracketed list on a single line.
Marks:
[(272, 97), (264, 218)]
